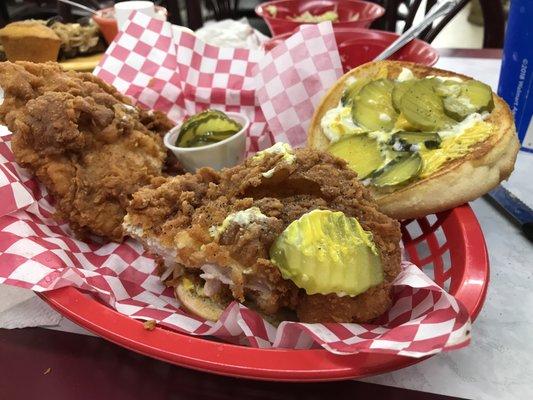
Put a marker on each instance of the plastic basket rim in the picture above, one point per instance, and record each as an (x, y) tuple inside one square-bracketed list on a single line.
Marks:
[(254, 363)]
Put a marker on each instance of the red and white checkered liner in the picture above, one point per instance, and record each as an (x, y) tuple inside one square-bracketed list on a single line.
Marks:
[(40, 254), (172, 71), (293, 77), (169, 70)]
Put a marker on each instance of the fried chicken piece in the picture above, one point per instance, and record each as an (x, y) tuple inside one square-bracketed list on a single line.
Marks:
[(83, 140), (220, 226)]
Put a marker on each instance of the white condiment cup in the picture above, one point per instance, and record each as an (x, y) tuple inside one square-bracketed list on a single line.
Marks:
[(226, 153), (125, 8)]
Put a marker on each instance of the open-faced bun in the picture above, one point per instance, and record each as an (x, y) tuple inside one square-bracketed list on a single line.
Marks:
[(455, 182)]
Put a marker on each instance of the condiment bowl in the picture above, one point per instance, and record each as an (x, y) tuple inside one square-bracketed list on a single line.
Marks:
[(226, 153)]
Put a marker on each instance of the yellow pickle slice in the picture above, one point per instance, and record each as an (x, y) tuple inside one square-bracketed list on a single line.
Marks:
[(328, 252)]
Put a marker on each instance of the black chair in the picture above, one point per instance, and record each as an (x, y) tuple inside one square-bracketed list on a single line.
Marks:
[(193, 12), (405, 10), (4, 15), (218, 10)]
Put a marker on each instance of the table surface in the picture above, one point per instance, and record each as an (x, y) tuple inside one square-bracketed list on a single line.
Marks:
[(495, 366)]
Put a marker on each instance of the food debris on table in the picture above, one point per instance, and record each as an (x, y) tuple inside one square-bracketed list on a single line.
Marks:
[(47, 371), (272, 10), (150, 325)]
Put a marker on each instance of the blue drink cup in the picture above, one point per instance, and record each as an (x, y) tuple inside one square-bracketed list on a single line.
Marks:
[(516, 77)]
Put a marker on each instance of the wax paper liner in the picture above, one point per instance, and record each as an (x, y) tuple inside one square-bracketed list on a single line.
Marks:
[(41, 254), (173, 71)]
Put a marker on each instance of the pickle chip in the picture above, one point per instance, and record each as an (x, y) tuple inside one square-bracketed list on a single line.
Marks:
[(400, 88), (399, 171), (362, 153), (372, 106), (210, 126), (327, 252), (473, 96), (423, 108), (352, 90)]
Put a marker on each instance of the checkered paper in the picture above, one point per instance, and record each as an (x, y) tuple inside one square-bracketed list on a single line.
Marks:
[(176, 73), (15, 184), (292, 79), (41, 254), (173, 71)]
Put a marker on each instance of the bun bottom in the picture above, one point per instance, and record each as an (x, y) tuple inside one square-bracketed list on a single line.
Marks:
[(209, 309), (201, 306), (467, 181), (458, 181)]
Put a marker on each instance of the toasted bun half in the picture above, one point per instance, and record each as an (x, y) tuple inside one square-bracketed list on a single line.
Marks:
[(457, 181), (211, 309), (201, 306)]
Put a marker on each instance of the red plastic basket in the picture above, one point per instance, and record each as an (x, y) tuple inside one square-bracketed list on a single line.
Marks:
[(449, 246), (358, 46)]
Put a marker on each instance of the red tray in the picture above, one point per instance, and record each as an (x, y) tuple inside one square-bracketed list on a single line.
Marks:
[(434, 243)]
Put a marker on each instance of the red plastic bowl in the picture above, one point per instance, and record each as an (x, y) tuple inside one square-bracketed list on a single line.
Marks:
[(107, 23), (448, 246), (105, 19), (352, 14), (359, 46)]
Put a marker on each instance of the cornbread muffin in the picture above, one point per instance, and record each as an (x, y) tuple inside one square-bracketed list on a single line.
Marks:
[(29, 41)]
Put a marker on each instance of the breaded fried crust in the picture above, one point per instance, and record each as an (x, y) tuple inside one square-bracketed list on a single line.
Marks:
[(183, 213)]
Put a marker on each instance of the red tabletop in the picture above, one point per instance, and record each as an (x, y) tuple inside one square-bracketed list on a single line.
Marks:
[(37, 363)]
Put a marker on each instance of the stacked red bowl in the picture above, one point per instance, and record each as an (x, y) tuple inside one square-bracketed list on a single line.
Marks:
[(279, 15), (359, 46)]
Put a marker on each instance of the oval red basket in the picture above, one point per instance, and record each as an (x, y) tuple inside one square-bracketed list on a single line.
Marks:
[(449, 246), (359, 46)]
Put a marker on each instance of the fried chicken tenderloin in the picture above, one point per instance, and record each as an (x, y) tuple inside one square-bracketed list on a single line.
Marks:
[(286, 230), (24, 81), (83, 140)]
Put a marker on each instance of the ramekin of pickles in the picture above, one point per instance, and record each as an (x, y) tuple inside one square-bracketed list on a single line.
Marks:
[(211, 138)]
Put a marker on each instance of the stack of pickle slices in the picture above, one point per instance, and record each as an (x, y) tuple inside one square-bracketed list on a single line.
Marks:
[(207, 127), (426, 106)]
